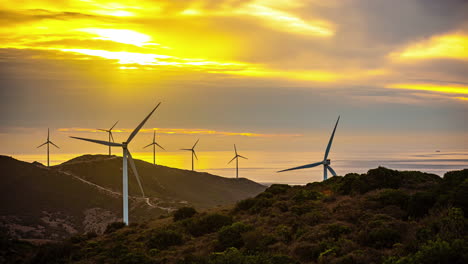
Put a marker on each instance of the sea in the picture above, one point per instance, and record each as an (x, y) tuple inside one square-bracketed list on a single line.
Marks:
[(262, 166)]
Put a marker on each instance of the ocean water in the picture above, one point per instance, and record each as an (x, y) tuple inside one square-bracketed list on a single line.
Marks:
[(262, 166)]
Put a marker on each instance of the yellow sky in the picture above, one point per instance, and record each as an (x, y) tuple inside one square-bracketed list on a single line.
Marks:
[(208, 37)]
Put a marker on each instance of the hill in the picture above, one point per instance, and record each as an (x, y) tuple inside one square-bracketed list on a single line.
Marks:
[(383, 216), (84, 195)]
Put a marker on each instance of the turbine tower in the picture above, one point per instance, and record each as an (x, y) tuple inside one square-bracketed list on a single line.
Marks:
[(193, 151), (109, 131), (48, 142), (126, 156), (236, 157), (154, 143), (326, 162)]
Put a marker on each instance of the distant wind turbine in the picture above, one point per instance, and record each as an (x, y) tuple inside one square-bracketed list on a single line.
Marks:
[(126, 155), (154, 144), (236, 157), (48, 142), (325, 162), (193, 152), (109, 131)]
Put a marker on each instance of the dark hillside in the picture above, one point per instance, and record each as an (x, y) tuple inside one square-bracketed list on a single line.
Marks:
[(383, 216)]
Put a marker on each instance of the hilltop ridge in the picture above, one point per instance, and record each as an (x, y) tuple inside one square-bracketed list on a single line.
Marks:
[(382, 216)]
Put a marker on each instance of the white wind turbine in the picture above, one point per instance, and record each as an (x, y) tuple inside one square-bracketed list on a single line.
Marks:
[(193, 151), (48, 142), (126, 155), (154, 144), (109, 131), (236, 157), (325, 162)]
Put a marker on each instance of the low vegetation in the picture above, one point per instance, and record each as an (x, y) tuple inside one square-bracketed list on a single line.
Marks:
[(383, 216)]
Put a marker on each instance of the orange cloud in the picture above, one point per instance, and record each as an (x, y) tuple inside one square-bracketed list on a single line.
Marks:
[(451, 46), (183, 131)]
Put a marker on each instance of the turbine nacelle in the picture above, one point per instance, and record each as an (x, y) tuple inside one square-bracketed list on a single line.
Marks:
[(327, 162)]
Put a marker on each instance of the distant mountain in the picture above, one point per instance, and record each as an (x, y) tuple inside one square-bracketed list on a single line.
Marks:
[(84, 194), (382, 216)]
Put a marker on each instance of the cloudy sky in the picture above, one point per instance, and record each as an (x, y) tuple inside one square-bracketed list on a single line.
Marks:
[(268, 74)]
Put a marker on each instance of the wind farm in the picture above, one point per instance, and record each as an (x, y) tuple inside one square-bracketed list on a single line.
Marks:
[(318, 132)]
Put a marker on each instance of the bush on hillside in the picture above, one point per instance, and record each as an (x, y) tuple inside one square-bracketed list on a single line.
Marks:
[(163, 239), (206, 224), (112, 227), (184, 213), (231, 236)]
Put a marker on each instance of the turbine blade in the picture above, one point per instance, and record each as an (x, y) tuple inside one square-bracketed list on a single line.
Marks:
[(331, 170), (154, 136), (195, 154), (100, 129), (53, 144), (331, 140), (159, 145), (195, 143), (232, 159), (112, 144), (48, 134), (113, 125), (111, 136), (43, 144), (141, 125), (242, 157), (187, 149), (148, 145), (235, 149), (304, 166), (135, 172)]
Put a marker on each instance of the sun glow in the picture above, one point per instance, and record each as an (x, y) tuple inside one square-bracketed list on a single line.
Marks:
[(452, 46), (431, 88), (124, 36)]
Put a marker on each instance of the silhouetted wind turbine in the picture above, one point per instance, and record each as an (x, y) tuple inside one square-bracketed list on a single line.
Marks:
[(236, 157), (126, 155), (110, 135), (48, 142), (325, 162), (154, 143), (193, 151)]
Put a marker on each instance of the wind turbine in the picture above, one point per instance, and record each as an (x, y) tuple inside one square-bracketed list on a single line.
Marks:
[(48, 142), (110, 135), (126, 155), (325, 162), (154, 143), (236, 157), (193, 151)]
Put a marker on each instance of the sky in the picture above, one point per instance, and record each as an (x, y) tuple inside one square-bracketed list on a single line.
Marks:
[(267, 75)]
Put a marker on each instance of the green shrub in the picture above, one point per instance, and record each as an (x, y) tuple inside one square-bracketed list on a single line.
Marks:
[(231, 236), (184, 213), (112, 227), (392, 197), (206, 224), (245, 205), (381, 237), (420, 203), (336, 230), (307, 251), (257, 240), (278, 188), (306, 195), (163, 239)]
